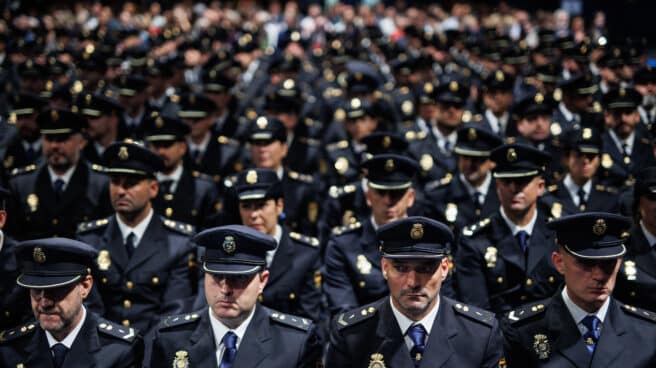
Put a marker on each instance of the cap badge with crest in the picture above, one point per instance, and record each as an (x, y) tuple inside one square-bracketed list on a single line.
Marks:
[(599, 227), (511, 155), (229, 245), (123, 153), (389, 165), (417, 231), (54, 115), (387, 141), (262, 122), (471, 134), (453, 86), (251, 177), (39, 255), (539, 98)]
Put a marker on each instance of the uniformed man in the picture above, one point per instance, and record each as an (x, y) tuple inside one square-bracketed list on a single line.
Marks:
[(185, 196), (415, 326), (626, 144), (470, 195), (580, 190), (637, 276), (57, 273), (576, 98), (144, 261), (503, 260), (234, 330), (51, 198), (133, 94), (498, 98), (14, 300), (103, 112), (582, 325), (353, 276)]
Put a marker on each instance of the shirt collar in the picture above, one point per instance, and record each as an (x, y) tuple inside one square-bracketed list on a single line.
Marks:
[(483, 189), (70, 338), (219, 329), (202, 146), (573, 188), (405, 323), (578, 313), (618, 142), (452, 138), (36, 145), (174, 176), (138, 230), (66, 177), (498, 124), (565, 111), (515, 228), (651, 238), (280, 171), (2, 239), (100, 149)]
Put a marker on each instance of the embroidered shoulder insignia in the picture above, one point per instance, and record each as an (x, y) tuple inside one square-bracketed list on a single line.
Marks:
[(290, 320), (179, 227), (526, 311), (475, 313), (642, 313), (98, 168), (337, 145), (85, 227), (304, 239), (300, 177), (22, 170), (336, 192), (227, 140), (475, 228), (178, 320), (339, 230), (17, 332), (118, 331), (355, 316)]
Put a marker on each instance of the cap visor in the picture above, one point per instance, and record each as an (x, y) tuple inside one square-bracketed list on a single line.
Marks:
[(611, 252), (252, 194), (45, 282), (230, 268), (389, 186), (515, 174), (413, 255)]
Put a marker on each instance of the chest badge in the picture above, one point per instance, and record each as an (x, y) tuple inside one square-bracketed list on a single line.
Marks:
[(104, 261), (181, 359), (376, 361), (630, 270), (541, 346), (491, 256), (363, 265)]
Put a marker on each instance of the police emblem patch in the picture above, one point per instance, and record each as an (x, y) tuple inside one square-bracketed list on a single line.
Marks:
[(541, 346)]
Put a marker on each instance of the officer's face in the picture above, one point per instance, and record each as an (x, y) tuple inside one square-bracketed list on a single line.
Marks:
[(589, 282), (534, 127), (389, 205), (361, 127), (261, 214), (131, 194), (58, 310), (414, 284), (427, 111), (232, 298), (474, 169), (27, 127), (623, 121), (518, 196), (647, 211), (582, 166), (102, 126), (62, 151), (268, 154), (498, 101), (288, 118), (200, 127), (449, 114), (171, 152)]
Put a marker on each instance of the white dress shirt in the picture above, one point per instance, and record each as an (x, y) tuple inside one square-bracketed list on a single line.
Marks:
[(516, 228), (629, 141), (405, 323), (651, 238), (65, 178), (483, 189), (498, 124), (174, 177), (578, 313), (138, 230), (573, 189), (219, 330), (70, 338)]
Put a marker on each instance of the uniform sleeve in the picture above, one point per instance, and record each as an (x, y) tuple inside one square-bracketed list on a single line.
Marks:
[(179, 284), (494, 350), (470, 275), (133, 358), (337, 286), (310, 355), (311, 292), (337, 355), (512, 347)]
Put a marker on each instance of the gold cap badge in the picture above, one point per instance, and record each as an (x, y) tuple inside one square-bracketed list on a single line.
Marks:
[(251, 177), (471, 134), (511, 155), (123, 153), (599, 227), (417, 231), (39, 255), (389, 165), (229, 245)]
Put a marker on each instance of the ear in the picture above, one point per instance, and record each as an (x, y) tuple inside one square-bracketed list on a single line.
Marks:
[(3, 218), (444, 268), (367, 196), (86, 285), (411, 196), (385, 264), (153, 188), (264, 278), (280, 206), (540, 186), (557, 260)]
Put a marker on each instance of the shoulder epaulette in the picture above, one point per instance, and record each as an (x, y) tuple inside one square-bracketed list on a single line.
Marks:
[(199, 175), (229, 181), (475, 313), (339, 230), (645, 141), (17, 332), (355, 316), (474, 228), (118, 331), (336, 192), (227, 140), (300, 323), (98, 168), (179, 227), (84, 227), (603, 188), (300, 177), (307, 240), (526, 311), (337, 145), (23, 170), (642, 313), (412, 135), (552, 188), (446, 180), (178, 320)]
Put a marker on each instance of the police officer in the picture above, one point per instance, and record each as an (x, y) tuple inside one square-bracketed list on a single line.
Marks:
[(234, 330), (144, 260), (103, 112), (415, 326), (626, 144), (497, 98), (637, 275), (14, 307), (51, 198), (57, 273), (132, 95), (503, 260), (582, 325), (185, 196), (576, 97), (580, 190), (470, 195)]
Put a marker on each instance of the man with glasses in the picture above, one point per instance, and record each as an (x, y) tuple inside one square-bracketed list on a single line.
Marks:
[(234, 330), (144, 261)]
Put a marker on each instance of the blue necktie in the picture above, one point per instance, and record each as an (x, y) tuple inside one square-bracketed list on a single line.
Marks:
[(417, 334), (58, 187), (592, 335), (129, 244), (230, 344), (59, 354), (522, 240), (581, 194)]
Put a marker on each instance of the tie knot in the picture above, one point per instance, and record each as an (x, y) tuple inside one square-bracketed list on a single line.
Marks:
[(131, 237), (230, 340), (591, 322), (166, 185), (59, 185), (59, 348), (522, 236), (417, 334), (581, 192)]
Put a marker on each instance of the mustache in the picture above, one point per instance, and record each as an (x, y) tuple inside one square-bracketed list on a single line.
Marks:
[(405, 292), (47, 310)]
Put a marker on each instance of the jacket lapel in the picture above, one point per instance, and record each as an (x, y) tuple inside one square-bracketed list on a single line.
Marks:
[(438, 347), (37, 351), (568, 341), (506, 243), (113, 241), (609, 347), (84, 346), (202, 351), (76, 186), (256, 345), (46, 192), (282, 260), (392, 345), (369, 244), (152, 242), (540, 244)]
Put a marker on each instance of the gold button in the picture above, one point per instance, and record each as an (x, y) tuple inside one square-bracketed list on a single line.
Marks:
[(529, 282), (129, 285), (55, 221), (633, 293), (362, 284), (552, 279), (168, 212), (127, 304), (155, 280), (500, 280), (292, 296), (523, 297), (126, 323), (7, 314), (23, 329), (104, 280)]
